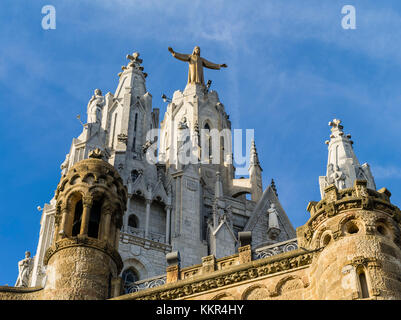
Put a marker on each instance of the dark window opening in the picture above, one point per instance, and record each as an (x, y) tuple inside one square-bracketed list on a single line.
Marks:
[(133, 221), (136, 121), (209, 142), (94, 219), (134, 175), (364, 285), (76, 225), (130, 276)]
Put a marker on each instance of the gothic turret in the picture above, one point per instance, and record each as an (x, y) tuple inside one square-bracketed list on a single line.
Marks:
[(83, 261), (343, 167)]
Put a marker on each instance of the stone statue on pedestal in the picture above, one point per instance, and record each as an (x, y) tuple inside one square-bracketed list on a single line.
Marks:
[(273, 230), (24, 270), (95, 106)]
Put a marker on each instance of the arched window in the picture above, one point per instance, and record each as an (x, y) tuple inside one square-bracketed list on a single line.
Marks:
[(133, 221), (363, 283), (130, 276), (94, 219), (76, 225), (209, 142)]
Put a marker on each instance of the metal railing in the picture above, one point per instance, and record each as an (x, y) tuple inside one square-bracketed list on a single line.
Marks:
[(145, 284), (276, 248), (140, 233)]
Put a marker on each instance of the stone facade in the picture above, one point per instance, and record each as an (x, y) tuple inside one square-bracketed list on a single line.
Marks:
[(130, 221), (349, 249), (171, 206)]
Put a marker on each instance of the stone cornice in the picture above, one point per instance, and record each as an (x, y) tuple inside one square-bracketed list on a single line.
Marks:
[(83, 241), (19, 289), (239, 273)]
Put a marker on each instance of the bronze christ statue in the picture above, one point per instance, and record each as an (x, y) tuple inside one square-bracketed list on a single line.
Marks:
[(196, 64)]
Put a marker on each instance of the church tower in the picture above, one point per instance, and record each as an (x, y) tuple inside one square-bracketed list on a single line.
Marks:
[(354, 229), (83, 261), (177, 180)]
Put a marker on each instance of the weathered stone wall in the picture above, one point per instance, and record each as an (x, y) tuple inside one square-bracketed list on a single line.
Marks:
[(79, 273), (335, 273)]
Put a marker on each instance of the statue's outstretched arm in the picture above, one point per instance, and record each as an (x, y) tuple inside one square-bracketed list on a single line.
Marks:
[(212, 65), (179, 56)]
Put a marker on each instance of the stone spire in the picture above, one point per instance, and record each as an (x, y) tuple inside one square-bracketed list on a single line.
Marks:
[(132, 78), (254, 160), (343, 167), (255, 174)]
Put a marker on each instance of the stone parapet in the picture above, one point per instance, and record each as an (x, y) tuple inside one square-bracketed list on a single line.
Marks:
[(336, 202), (235, 274)]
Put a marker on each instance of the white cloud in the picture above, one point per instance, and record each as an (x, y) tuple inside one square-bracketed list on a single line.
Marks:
[(384, 172)]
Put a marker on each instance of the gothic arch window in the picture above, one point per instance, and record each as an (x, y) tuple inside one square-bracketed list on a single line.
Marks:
[(209, 139), (130, 276), (133, 221)]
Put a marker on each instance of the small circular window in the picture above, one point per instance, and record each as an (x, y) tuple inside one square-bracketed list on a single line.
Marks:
[(351, 227)]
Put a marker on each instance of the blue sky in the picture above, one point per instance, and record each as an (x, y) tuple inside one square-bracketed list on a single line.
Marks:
[(291, 69)]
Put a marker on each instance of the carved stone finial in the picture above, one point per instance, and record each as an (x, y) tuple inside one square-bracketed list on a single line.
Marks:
[(96, 154), (336, 124), (134, 57)]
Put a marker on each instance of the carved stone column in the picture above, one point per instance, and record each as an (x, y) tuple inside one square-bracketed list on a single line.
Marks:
[(168, 224), (63, 225), (87, 204), (106, 224), (148, 202)]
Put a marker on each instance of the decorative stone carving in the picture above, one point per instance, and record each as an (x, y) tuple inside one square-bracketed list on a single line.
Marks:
[(183, 124), (96, 154), (262, 268), (256, 292), (122, 137)]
